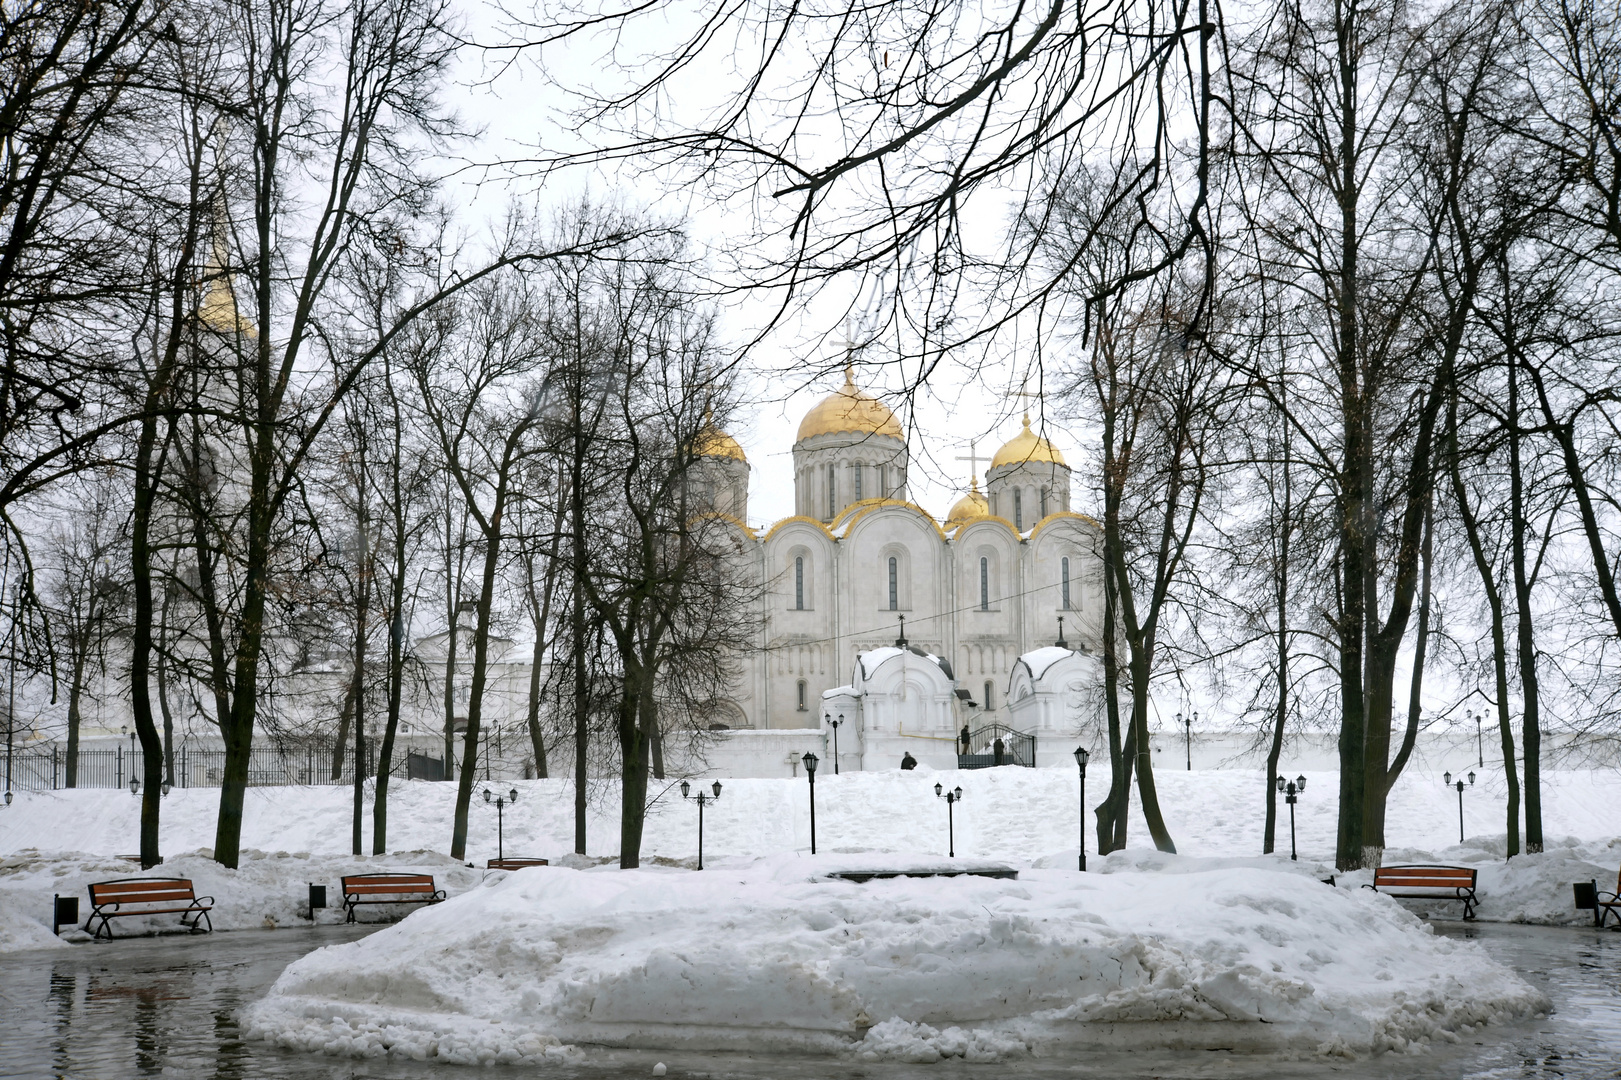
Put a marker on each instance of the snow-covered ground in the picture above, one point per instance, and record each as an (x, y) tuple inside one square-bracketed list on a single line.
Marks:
[(57, 842), (769, 954)]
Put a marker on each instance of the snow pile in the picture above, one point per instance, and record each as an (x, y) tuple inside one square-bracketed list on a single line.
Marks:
[(770, 955), (269, 889), (19, 930)]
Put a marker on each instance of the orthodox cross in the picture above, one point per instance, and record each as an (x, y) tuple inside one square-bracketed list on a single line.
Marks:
[(1022, 392), (973, 458)]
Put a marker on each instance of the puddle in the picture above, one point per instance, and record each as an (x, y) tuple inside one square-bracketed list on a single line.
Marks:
[(166, 1007)]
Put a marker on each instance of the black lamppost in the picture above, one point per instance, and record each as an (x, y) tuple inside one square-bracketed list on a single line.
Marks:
[(1446, 778), (1080, 759), (501, 802), (834, 724), (810, 771), (952, 798), (1187, 727), (1291, 789), (702, 799), (1480, 742)]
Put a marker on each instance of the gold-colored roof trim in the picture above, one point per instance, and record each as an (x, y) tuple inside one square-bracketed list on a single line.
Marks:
[(772, 529)]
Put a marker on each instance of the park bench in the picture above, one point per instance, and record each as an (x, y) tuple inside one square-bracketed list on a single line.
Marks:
[(146, 896), (515, 863), (1432, 883), (1611, 906), (388, 889)]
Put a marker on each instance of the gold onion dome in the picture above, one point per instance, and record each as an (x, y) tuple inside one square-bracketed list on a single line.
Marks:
[(968, 508), (849, 411), (1028, 446), (713, 442)]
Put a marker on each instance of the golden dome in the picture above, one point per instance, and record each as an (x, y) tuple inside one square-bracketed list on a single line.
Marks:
[(713, 442), (971, 506), (1028, 446), (852, 411)]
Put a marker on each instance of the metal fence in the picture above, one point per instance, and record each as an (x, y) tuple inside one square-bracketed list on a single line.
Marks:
[(268, 766), (996, 744)]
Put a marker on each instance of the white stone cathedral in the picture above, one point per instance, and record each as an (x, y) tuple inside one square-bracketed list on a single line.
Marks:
[(977, 597)]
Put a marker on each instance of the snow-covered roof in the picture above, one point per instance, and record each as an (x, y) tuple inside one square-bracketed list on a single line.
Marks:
[(841, 691), (873, 659), (1039, 660)]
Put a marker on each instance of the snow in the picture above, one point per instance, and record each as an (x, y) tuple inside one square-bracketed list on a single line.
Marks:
[(1019, 816), (766, 954), (1039, 660)]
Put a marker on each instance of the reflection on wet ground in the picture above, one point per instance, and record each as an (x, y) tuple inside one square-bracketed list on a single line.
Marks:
[(166, 1007)]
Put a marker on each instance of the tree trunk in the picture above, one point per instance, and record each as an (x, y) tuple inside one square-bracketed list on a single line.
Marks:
[(357, 692), (1111, 813), (75, 688), (1141, 662), (1530, 714), (341, 741), (1421, 649), (635, 745)]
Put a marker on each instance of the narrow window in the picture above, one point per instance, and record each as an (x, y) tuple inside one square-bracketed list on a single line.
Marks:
[(883, 481), (1064, 572), (857, 469), (801, 695), (799, 582), (989, 688), (894, 584), (1018, 510), (832, 490), (1044, 503), (984, 584)]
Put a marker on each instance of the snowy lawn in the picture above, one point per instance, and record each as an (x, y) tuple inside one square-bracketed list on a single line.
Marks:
[(57, 842), (770, 955)]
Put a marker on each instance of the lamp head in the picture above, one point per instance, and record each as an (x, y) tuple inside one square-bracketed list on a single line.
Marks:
[(1280, 783), (1446, 778), (486, 794), (1471, 778), (134, 786), (512, 796), (841, 718), (1081, 755), (9, 797), (958, 793), (810, 763), (166, 788), (685, 788), (1300, 782), (937, 790), (716, 788)]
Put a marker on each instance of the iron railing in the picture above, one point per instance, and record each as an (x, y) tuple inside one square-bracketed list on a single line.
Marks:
[(268, 766), (996, 744)]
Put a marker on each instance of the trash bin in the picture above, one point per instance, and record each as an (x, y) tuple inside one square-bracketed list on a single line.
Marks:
[(1586, 897), (317, 899), (67, 912)]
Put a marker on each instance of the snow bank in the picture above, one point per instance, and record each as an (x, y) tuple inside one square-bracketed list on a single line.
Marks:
[(769, 955), (269, 889), (19, 929)]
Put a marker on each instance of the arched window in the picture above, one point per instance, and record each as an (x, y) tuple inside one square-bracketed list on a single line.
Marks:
[(883, 481), (984, 583), (856, 472), (803, 689), (799, 583), (1044, 502), (990, 689), (1064, 579), (1018, 509), (832, 490), (894, 584)]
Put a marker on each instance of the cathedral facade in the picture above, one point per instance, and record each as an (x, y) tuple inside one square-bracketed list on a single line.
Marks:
[(904, 625)]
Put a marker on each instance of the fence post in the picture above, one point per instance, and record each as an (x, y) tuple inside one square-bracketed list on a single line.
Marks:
[(184, 772), (54, 769), (118, 765)]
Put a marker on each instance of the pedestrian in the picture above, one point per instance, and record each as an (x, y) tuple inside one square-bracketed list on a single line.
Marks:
[(963, 736), (908, 762), (998, 748)]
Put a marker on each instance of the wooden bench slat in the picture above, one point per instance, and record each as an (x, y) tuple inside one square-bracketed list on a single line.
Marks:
[(388, 889), (1459, 881)]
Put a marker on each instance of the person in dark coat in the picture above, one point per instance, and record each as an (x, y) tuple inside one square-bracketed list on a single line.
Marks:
[(908, 762), (963, 737)]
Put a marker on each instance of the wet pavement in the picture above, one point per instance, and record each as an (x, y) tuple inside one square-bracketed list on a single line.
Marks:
[(166, 1007)]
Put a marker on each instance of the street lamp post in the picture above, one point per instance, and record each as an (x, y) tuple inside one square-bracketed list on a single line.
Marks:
[(1188, 728), (1080, 759), (1480, 743), (1291, 790), (702, 799), (501, 802), (834, 724), (1446, 778), (952, 798), (810, 771)]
